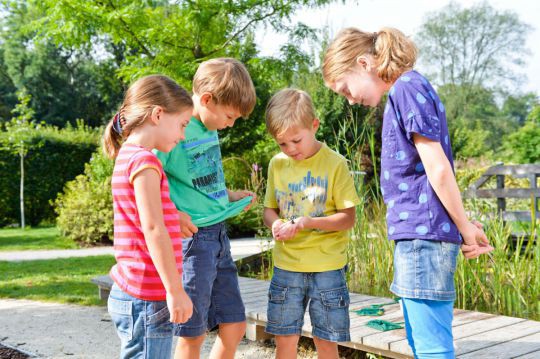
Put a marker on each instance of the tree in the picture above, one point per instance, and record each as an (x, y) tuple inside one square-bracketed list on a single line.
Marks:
[(523, 146), (19, 139), (476, 47), (66, 83)]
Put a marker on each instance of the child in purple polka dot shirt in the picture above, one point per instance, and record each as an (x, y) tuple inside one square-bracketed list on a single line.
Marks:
[(425, 214)]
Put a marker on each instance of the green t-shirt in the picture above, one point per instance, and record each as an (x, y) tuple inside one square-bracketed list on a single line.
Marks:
[(317, 187), (195, 173)]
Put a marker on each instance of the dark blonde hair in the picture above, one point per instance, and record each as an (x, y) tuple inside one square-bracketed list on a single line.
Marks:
[(139, 101), (289, 108), (393, 52), (229, 83)]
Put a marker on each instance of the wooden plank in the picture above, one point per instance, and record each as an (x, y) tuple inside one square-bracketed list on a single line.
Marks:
[(514, 170), (460, 327), (524, 216), (508, 193), (532, 355), (509, 349), (493, 337)]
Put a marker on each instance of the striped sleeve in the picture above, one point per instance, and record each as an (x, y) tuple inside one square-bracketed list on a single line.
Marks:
[(141, 161)]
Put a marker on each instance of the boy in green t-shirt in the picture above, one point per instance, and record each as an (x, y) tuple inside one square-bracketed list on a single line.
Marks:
[(310, 206), (222, 92)]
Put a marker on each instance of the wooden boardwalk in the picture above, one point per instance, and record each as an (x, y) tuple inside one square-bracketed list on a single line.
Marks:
[(476, 335)]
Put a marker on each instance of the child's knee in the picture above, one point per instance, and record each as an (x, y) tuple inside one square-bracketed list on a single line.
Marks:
[(193, 342), (286, 341)]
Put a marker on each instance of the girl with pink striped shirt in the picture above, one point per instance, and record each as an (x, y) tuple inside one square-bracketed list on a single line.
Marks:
[(147, 295)]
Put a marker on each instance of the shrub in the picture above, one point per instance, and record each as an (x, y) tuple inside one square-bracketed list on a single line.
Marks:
[(85, 211), (523, 146)]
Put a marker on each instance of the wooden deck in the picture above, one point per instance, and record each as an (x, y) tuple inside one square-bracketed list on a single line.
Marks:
[(476, 335)]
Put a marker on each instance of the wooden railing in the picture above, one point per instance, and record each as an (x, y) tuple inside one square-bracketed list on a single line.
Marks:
[(529, 171)]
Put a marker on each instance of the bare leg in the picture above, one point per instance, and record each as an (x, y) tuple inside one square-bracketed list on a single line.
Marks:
[(286, 346), (229, 336), (189, 348), (326, 349)]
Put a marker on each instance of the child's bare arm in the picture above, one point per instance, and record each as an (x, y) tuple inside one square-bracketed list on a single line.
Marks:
[(441, 177), (148, 198), (340, 221)]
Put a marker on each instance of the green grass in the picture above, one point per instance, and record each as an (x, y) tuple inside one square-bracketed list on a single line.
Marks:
[(16, 239), (54, 280)]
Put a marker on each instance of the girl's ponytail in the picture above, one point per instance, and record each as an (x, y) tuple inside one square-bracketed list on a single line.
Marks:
[(394, 52), (112, 140)]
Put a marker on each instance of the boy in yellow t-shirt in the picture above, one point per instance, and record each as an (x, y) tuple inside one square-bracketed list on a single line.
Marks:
[(310, 206)]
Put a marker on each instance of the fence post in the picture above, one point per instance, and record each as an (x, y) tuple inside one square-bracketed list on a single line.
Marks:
[(501, 201)]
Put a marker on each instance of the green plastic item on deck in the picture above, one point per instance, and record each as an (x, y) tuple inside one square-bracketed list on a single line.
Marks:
[(384, 325), (375, 309)]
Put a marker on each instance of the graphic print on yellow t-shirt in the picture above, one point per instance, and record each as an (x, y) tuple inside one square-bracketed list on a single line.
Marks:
[(307, 196)]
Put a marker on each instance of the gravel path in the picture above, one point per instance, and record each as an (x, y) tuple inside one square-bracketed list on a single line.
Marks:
[(52, 330)]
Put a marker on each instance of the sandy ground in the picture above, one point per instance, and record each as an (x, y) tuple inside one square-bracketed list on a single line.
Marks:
[(53, 330)]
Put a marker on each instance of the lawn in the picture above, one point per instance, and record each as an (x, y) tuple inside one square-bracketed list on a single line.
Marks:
[(54, 280), (16, 239)]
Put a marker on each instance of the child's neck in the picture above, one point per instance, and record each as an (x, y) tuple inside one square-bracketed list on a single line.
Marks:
[(141, 138)]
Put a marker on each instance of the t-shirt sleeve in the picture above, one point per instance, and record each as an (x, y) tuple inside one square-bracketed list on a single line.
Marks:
[(140, 161), (344, 191), (418, 113), (270, 195)]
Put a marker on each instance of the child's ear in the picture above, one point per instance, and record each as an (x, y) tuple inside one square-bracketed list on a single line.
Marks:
[(316, 124), (157, 112), (205, 98), (364, 62)]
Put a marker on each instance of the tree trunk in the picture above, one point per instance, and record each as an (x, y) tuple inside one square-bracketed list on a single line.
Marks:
[(21, 155)]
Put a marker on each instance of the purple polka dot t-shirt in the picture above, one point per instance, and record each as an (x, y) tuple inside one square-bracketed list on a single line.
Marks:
[(413, 209)]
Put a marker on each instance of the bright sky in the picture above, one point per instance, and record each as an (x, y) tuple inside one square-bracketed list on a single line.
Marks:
[(370, 15)]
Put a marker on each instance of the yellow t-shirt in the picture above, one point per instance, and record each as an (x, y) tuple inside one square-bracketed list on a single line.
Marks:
[(315, 187)]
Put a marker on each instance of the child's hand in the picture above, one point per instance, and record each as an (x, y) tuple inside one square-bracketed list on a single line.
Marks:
[(475, 241), (180, 306), (186, 226), (238, 195), (276, 226), (289, 229)]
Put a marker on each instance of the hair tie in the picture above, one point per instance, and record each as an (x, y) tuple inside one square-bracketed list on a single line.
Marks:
[(117, 126)]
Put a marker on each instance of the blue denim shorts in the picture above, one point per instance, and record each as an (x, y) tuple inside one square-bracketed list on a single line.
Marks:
[(210, 279), (143, 326), (424, 269), (325, 293)]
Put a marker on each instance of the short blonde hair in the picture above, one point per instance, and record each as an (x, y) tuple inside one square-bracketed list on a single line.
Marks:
[(139, 101), (393, 52), (289, 108), (229, 83)]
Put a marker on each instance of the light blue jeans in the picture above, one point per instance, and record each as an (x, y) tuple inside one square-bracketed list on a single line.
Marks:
[(143, 326), (424, 279)]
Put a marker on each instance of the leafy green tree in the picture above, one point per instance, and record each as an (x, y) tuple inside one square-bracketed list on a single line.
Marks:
[(523, 146), (66, 83), (471, 48)]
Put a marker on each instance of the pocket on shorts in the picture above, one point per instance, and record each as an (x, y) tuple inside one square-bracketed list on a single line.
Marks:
[(187, 245), (121, 312), (276, 301), (336, 305), (158, 324)]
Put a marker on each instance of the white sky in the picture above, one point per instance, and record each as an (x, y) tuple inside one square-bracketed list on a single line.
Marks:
[(408, 15)]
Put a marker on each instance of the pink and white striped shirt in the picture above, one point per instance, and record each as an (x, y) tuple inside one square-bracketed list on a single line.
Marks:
[(134, 271)]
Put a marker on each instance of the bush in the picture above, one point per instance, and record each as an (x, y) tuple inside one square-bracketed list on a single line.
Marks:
[(523, 146), (85, 210), (55, 157)]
